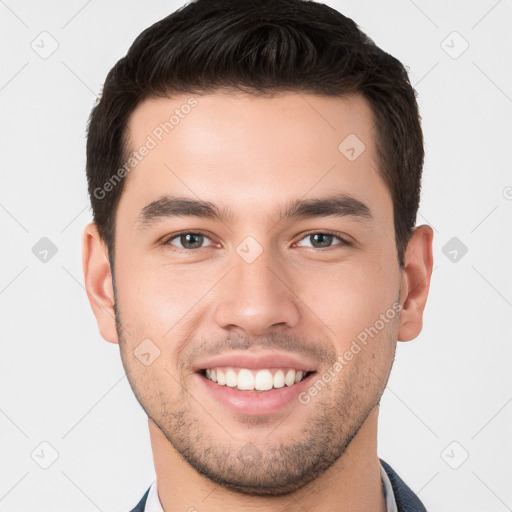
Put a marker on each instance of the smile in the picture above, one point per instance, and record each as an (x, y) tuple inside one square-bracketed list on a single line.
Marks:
[(254, 392), (263, 379)]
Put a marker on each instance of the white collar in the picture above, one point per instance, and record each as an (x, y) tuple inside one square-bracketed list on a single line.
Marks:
[(389, 495), (153, 502)]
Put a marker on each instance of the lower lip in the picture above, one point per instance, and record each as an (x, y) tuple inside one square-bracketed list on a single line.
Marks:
[(256, 403)]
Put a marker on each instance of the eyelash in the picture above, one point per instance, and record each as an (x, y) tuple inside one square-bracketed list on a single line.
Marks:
[(344, 241)]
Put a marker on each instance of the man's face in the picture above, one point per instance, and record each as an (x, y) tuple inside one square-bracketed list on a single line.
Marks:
[(296, 289)]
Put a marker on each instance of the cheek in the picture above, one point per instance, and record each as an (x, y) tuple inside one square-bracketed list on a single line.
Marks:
[(155, 298), (156, 385), (352, 298)]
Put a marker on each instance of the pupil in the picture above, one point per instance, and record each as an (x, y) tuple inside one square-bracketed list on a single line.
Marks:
[(189, 239), (326, 239)]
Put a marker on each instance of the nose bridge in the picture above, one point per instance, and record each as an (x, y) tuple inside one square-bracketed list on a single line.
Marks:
[(255, 296)]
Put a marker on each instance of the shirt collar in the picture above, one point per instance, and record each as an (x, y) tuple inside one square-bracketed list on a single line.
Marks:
[(153, 502), (389, 495)]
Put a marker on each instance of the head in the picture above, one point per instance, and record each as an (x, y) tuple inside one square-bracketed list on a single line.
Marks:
[(254, 171)]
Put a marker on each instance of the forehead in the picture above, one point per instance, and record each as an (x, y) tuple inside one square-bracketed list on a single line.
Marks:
[(250, 150)]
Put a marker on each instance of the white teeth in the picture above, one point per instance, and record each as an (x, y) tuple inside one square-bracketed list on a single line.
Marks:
[(279, 379), (231, 379), (264, 380), (221, 378), (245, 380), (249, 380), (290, 378)]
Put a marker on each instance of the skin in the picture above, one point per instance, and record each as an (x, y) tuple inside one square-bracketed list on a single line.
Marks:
[(254, 155)]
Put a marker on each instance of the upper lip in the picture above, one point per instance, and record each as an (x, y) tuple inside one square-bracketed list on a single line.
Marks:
[(251, 361)]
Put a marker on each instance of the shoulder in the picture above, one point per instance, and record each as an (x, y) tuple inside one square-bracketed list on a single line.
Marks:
[(405, 498)]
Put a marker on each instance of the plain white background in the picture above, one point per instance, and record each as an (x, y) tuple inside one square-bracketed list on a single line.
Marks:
[(446, 416)]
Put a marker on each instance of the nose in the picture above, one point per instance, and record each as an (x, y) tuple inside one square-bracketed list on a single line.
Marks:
[(257, 298)]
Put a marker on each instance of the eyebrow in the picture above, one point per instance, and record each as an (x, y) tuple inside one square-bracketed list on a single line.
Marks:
[(338, 205)]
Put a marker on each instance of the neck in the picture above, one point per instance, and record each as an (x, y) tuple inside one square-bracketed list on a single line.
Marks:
[(351, 484)]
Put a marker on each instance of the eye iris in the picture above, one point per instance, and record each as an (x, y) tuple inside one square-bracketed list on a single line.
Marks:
[(194, 241), (325, 240)]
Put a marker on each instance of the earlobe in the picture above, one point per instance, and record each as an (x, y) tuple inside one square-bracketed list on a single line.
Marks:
[(98, 281), (415, 282)]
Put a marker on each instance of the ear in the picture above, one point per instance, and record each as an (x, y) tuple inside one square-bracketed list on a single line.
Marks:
[(415, 282), (98, 281)]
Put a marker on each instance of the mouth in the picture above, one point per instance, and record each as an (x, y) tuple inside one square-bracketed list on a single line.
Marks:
[(257, 383), (258, 380)]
